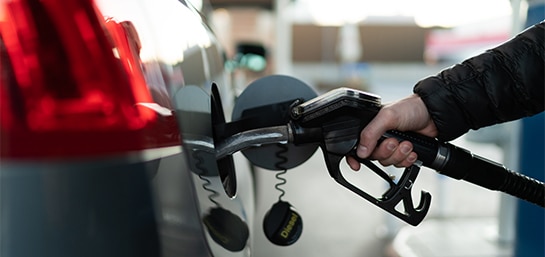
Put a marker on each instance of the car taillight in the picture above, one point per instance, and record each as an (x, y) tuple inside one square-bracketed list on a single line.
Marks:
[(72, 83)]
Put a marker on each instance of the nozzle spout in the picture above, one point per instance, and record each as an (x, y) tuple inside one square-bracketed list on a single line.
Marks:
[(255, 137)]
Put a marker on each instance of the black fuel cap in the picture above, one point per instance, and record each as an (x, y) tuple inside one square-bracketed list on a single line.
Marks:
[(282, 225), (227, 229)]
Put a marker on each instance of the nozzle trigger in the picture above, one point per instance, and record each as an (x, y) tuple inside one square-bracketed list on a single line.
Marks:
[(398, 193)]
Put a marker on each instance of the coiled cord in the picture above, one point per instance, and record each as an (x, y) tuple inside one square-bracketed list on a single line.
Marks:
[(283, 159), (206, 186), (201, 169)]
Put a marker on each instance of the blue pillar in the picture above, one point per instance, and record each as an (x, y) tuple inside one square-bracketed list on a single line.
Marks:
[(530, 223)]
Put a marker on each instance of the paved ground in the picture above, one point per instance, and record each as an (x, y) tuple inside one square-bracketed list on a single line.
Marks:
[(337, 222)]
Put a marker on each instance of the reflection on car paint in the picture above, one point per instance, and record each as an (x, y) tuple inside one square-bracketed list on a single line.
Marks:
[(158, 199)]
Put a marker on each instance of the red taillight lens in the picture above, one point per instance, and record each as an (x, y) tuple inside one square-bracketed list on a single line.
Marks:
[(67, 74)]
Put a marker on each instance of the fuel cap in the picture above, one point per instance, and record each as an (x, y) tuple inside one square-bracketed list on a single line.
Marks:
[(227, 229), (264, 101), (282, 225)]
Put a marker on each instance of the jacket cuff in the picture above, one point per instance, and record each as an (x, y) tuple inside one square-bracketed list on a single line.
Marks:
[(442, 107)]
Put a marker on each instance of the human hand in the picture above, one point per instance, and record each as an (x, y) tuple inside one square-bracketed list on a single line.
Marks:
[(407, 114)]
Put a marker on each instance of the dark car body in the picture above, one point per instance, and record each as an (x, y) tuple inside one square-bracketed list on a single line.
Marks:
[(107, 115)]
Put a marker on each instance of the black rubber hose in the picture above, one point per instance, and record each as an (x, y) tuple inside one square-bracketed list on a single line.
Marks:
[(525, 188), (462, 164)]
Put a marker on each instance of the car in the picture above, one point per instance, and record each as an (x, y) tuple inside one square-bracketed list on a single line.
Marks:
[(109, 114)]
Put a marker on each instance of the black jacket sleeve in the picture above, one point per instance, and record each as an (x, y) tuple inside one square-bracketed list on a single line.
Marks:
[(502, 84)]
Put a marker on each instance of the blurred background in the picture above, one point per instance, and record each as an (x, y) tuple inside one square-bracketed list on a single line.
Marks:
[(385, 47)]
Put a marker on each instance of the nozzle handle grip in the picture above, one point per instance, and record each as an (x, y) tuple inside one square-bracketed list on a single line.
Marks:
[(428, 149)]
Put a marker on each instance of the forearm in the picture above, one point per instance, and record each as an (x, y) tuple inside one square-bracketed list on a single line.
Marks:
[(502, 84)]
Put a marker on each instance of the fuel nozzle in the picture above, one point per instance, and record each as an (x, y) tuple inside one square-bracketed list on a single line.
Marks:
[(334, 120)]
